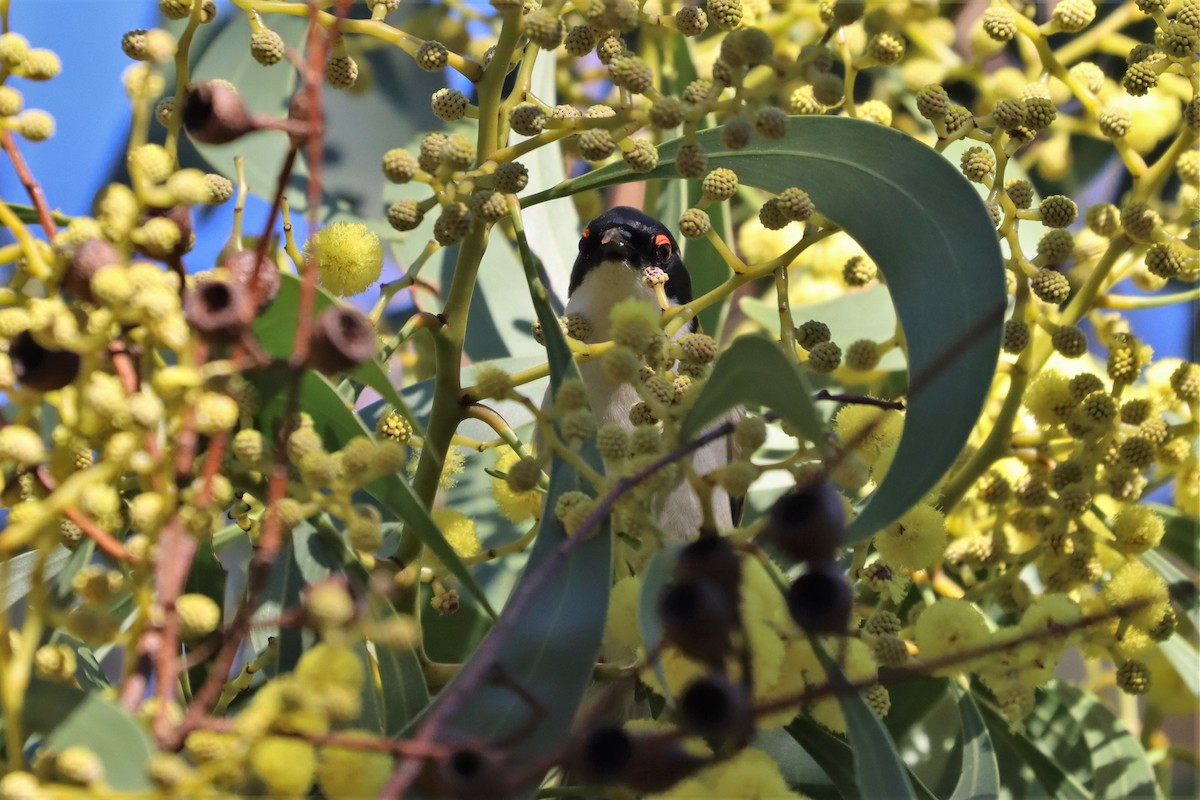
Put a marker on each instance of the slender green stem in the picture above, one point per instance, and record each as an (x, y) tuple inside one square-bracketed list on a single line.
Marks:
[(1126, 302)]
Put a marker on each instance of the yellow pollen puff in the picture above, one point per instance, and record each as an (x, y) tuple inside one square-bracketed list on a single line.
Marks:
[(916, 541), (868, 430), (949, 627), (515, 506), (344, 773), (459, 531), (349, 257)]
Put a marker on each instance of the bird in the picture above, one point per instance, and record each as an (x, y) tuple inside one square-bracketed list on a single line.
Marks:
[(614, 249)]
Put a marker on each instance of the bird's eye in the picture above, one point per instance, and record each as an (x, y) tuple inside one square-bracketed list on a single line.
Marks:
[(662, 247)]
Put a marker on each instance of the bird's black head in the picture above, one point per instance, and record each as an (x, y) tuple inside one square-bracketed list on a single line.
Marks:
[(627, 235)]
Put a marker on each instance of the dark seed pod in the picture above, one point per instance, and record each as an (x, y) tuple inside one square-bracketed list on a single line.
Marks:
[(697, 618), (261, 276), (214, 113), (711, 558), (85, 262), (341, 339), (602, 754), (657, 762), (466, 771), (807, 523), (40, 368), (820, 600), (715, 707), (220, 311)]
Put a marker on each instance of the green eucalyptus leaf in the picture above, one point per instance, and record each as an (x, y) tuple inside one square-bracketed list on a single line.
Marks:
[(276, 332), (1182, 535), (556, 225), (1185, 660), (301, 562), (499, 322), (401, 679), (19, 572), (754, 371), (830, 753), (980, 779), (798, 767), (551, 647), (1071, 745), (878, 769), (66, 716), (1175, 578), (928, 232)]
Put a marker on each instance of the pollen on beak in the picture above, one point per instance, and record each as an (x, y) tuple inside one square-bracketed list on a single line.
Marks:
[(615, 244)]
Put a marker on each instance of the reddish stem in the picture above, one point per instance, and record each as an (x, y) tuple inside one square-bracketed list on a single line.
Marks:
[(36, 196)]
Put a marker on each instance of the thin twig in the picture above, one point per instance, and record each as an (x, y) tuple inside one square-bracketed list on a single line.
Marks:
[(36, 196), (860, 399)]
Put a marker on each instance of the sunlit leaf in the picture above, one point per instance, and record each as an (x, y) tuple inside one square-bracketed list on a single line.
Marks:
[(754, 371), (878, 769), (980, 779), (66, 716), (552, 646)]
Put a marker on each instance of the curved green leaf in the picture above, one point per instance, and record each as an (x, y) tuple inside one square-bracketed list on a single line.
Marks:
[(1071, 745), (831, 754), (66, 716), (21, 569), (555, 250), (925, 227), (551, 649), (754, 371), (878, 768), (1173, 577), (980, 779), (1182, 536)]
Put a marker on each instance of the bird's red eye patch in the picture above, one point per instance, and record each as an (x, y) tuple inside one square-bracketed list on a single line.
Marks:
[(662, 239), (586, 232)]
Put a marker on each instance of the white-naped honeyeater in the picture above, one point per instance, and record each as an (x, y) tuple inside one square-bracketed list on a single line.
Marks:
[(614, 250)]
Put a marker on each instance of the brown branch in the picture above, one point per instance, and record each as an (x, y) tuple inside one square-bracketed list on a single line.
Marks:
[(927, 668), (103, 539), (271, 537), (36, 196)]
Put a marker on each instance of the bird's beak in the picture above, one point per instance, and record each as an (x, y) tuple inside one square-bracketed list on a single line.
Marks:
[(615, 244)]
